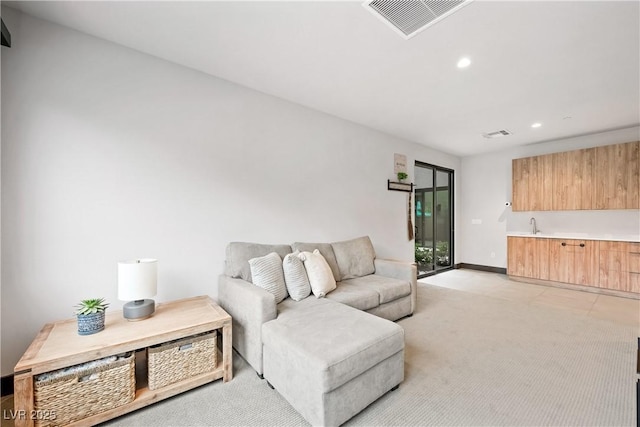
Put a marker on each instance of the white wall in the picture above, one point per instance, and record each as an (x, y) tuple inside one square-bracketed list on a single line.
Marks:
[(485, 186), (109, 154)]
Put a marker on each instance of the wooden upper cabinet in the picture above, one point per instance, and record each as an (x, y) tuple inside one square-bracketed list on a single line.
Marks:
[(573, 179), (541, 185), (532, 183), (605, 177), (617, 176), (519, 184)]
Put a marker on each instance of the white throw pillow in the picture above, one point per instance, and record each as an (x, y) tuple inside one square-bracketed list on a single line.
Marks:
[(266, 272), (319, 273), (295, 277)]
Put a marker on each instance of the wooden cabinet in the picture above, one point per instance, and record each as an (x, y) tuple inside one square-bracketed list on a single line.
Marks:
[(619, 266), (585, 262), (573, 261), (618, 177), (573, 176), (533, 183), (520, 184), (605, 177), (528, 257), (518, 255), (634, 267), (612, 265)]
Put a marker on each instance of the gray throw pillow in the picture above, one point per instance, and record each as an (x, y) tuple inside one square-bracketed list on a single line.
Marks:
[(295, 277), (267, 273), (355, 257)]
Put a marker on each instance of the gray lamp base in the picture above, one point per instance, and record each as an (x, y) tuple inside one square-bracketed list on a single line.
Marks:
[(139, 309)]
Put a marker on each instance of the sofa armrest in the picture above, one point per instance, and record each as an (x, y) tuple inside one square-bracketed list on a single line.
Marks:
[(249, 307), (402, 271)]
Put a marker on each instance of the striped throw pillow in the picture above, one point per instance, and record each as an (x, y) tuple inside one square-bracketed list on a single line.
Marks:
[(295, 277), (266, 272)]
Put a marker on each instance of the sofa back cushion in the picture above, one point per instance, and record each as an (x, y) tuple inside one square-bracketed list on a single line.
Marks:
[(239, 254), (354, 257), (327, 252)]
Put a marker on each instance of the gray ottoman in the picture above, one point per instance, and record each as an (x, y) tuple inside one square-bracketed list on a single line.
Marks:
[(330, 361)]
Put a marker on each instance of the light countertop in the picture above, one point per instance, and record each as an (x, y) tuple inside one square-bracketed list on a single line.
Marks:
[(583, 236)]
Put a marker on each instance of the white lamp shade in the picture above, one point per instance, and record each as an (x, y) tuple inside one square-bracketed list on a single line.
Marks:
[(137, 279)]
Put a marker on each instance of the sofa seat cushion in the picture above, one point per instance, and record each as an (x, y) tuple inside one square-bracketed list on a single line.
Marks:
[(292, 308), (330, 342), (356, 296), (388, 289)]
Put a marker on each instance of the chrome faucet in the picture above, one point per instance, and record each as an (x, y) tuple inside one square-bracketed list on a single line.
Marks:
[(534, 229)]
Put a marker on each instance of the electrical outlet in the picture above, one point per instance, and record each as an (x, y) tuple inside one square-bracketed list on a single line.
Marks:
[(493, 254), (476, 221)]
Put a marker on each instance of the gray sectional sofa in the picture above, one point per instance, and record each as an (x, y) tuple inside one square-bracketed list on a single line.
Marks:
[(328, 357)]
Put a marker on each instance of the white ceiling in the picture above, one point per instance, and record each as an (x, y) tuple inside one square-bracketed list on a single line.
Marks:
[(532, 61)]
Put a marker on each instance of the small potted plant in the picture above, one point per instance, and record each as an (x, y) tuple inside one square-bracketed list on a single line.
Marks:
[(402, 176), (90, 314)]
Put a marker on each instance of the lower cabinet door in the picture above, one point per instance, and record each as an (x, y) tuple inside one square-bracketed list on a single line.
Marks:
[(634, 267), (561, 261), (585, 264), (574, 261), (613, 266)]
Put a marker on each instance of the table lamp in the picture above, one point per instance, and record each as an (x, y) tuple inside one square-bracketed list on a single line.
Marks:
[(137, 283)]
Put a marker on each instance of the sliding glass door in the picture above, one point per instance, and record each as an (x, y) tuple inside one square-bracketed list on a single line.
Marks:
[(434, 218)]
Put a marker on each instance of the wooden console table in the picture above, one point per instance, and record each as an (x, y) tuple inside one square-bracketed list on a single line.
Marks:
[(58, 345)]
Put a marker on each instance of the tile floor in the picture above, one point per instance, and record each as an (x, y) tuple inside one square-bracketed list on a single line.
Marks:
[(617, 309)]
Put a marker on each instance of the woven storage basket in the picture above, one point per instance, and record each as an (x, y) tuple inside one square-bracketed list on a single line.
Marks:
[(174, 361), (84, 390)]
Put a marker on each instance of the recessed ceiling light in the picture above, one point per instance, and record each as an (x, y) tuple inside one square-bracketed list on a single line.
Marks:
[(536, 125), (464, 62)]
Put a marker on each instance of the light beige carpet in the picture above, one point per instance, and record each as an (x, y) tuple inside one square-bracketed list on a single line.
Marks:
[(470, 360)]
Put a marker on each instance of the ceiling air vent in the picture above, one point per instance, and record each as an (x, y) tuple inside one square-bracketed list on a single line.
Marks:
[(409, 17), (497, 134)]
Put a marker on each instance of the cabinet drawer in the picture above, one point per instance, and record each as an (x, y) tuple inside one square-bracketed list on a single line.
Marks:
[(617, 280), (607, 245), (613, 261), (634, 262)]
